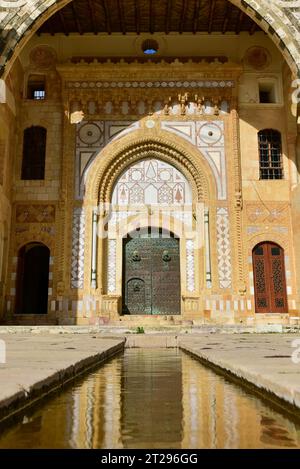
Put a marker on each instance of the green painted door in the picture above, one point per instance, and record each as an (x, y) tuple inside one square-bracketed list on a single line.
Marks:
[(151, 274)]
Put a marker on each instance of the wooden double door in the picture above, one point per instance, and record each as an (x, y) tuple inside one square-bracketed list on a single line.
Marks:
[(269, 278), (151, 274)]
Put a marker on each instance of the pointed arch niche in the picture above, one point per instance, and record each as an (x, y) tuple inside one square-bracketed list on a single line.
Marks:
[(153, 194), (150, 185)]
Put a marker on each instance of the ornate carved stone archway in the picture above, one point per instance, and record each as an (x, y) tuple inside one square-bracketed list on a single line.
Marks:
[(116, 156), (19, 19), (105, 171)]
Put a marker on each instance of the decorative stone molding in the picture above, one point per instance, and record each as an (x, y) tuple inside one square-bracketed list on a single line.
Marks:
[(111, 266), (117, 156), (271, 212), (78, 242), (257, 57), (35, 213), (43, 57), (190, 265), (91, 138), (94, 85), (223, 248), (208, 137)]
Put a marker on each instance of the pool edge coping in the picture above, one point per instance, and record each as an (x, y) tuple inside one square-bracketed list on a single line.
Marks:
[(269, 396), (15, 404)]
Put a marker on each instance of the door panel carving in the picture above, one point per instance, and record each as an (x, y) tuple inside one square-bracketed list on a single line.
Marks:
[(151, 276), (269, 279), (135, 290)]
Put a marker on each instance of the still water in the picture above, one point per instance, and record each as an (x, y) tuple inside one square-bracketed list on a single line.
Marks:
[(146, 398)]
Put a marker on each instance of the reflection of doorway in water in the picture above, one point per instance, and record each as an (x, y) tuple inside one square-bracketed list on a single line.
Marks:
[(151, 400)]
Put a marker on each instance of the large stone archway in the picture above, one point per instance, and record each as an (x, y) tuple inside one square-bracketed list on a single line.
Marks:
[(19, 19), (112, 222), (117, 155)]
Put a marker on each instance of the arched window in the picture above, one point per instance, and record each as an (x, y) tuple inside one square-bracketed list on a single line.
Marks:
[(34, 153), (270, 156)]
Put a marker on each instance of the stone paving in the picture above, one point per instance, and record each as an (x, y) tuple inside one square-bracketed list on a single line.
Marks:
[(270, 362), (37, 363)]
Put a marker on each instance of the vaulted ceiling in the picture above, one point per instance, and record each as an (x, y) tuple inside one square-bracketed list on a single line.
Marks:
[(148, 16)]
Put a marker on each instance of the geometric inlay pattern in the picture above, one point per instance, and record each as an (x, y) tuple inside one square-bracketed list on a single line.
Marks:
[(190, 266), (208, 137), (112, 261), (91, 138), (223, 248), (78, 239), (35, 213), (95, 85), (268, 213), (152, 181)]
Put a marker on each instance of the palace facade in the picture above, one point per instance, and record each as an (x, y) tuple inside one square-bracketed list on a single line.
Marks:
[(149, 166)]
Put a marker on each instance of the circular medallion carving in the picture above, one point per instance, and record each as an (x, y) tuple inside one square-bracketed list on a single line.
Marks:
[(150, 124), (258, 58), (43, 57), (210, 133), (90, 133)]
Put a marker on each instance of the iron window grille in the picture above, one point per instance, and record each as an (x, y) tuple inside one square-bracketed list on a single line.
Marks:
[(270, 154)]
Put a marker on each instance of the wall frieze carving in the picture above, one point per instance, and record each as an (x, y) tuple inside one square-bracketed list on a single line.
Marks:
[(143, 102), (91, 138), (35, 213), (224, 248), (78, 251), (269, 212), (206, 136), (186, 84)]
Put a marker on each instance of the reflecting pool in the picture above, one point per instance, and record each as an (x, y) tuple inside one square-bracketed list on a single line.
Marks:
[(152, 398)]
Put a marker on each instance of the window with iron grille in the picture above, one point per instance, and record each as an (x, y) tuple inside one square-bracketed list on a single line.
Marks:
[(34, 153), (39, 94), (270, 156), (36, 87)]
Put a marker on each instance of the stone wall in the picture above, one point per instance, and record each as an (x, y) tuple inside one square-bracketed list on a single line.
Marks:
[(101, 116)]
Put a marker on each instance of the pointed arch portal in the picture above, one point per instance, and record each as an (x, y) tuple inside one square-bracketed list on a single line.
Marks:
[(152, 251)]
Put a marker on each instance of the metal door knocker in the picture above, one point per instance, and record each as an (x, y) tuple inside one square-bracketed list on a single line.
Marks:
[(136, 287), (135, 256), (166, 257)]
